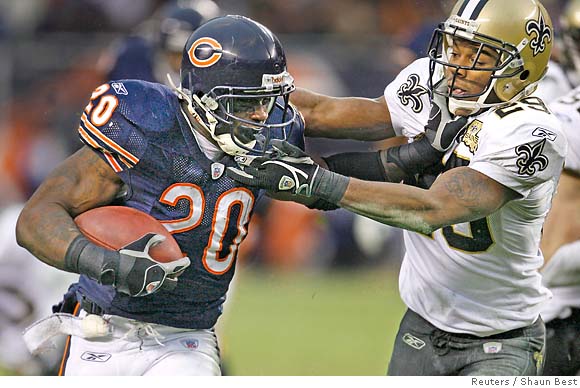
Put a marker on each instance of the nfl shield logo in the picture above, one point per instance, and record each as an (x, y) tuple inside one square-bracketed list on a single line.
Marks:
[(217, 170), (190, 343)]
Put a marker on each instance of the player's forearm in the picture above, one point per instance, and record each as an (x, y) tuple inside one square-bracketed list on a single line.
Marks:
[(46, 230), (459, 195), (343, 118), (46, 226), (393, 204)]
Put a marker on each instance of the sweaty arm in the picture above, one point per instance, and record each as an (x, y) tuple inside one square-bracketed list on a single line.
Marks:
[(459, 195), (45, 226), (354, 118)]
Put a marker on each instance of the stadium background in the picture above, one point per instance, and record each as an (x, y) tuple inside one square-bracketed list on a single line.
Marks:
[(315, 293)]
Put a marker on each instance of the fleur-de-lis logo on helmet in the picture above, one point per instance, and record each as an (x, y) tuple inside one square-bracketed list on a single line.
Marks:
[(530, 158), (411, 92), (543, 33)]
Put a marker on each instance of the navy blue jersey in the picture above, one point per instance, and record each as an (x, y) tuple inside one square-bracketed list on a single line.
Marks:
[(139, 129)]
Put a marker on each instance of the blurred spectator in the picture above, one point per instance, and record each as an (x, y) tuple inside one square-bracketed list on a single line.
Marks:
[(155, 48), (28, 289)]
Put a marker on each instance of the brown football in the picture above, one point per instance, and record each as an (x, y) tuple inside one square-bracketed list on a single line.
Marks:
[(114, 227)]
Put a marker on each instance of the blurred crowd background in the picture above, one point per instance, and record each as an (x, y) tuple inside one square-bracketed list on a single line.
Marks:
[(53, 53)]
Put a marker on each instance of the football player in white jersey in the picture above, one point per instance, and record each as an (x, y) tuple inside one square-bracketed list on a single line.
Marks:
[(470, 276), (561, 246), (564, 71), (560, 240)]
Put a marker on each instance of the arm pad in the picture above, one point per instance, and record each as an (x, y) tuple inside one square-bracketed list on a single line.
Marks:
[(362, 165), (414, 158)]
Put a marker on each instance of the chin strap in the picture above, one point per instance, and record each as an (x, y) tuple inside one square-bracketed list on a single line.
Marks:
[(207, 104)]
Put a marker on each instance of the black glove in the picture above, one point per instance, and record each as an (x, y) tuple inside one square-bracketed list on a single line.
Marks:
[(141, 275), (442, 129), (289, 169), (130, 270)]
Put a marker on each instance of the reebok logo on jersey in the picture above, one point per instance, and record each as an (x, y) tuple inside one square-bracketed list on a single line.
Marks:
[(413, 341), (544, 133), (95, 357), (120, 88), (410, 93)]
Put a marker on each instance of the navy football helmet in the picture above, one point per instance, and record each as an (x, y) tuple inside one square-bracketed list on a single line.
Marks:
[(232, 65), (180, 18)]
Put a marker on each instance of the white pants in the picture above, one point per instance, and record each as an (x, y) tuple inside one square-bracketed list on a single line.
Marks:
[(143, 349)]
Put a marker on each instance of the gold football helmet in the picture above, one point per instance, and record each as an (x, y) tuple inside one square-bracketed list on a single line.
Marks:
[(570, 25), (519, 31)]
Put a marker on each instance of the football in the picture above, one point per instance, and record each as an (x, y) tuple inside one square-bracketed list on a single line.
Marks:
[(114, 227)]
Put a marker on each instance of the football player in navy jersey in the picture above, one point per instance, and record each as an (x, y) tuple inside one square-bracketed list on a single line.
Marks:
[(163, 151)]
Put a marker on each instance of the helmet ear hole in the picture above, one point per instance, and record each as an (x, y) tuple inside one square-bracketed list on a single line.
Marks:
[(525, 74)]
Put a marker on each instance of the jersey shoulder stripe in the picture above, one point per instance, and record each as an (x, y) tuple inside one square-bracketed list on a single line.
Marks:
[(110, 145)]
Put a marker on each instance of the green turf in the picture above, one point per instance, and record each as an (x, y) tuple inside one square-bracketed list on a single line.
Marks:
[(337, 323)]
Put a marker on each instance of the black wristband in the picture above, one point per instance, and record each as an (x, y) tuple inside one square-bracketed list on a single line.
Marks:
[(362, 165), (71, 258), (86, 258), (414, 157), (329, 185)]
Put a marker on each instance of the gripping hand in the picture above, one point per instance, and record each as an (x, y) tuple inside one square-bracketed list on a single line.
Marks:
[(289, 169), (138, 274), (442, 129)]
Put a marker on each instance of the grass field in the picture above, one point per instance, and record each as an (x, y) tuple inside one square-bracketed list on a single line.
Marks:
[(337, 323)]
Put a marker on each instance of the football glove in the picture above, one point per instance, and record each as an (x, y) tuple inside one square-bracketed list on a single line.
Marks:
[(131, 270), (139, 274), (442, 129), (289, 169)]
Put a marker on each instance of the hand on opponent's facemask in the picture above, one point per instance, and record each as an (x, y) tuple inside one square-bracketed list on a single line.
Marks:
[(289, 169)]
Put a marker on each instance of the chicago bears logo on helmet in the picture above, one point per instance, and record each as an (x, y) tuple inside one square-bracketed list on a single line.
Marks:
[(210, 50)]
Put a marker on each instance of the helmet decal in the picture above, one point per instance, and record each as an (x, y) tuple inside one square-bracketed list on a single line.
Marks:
[(216, 49), (234, 77), (471, 9), (543, 33)]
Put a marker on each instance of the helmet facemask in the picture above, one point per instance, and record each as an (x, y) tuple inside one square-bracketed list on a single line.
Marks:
[(231, 108), (506, 65)]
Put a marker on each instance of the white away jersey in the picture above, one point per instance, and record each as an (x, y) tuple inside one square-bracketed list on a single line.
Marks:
[(481, 277), (554, 84), (567, 110)]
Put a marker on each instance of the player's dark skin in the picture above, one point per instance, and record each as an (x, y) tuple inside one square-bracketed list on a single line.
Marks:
[(82, 182), (45, 226)]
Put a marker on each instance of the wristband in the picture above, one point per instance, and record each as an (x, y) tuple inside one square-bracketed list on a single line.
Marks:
[(329, 185), (86, 258)]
